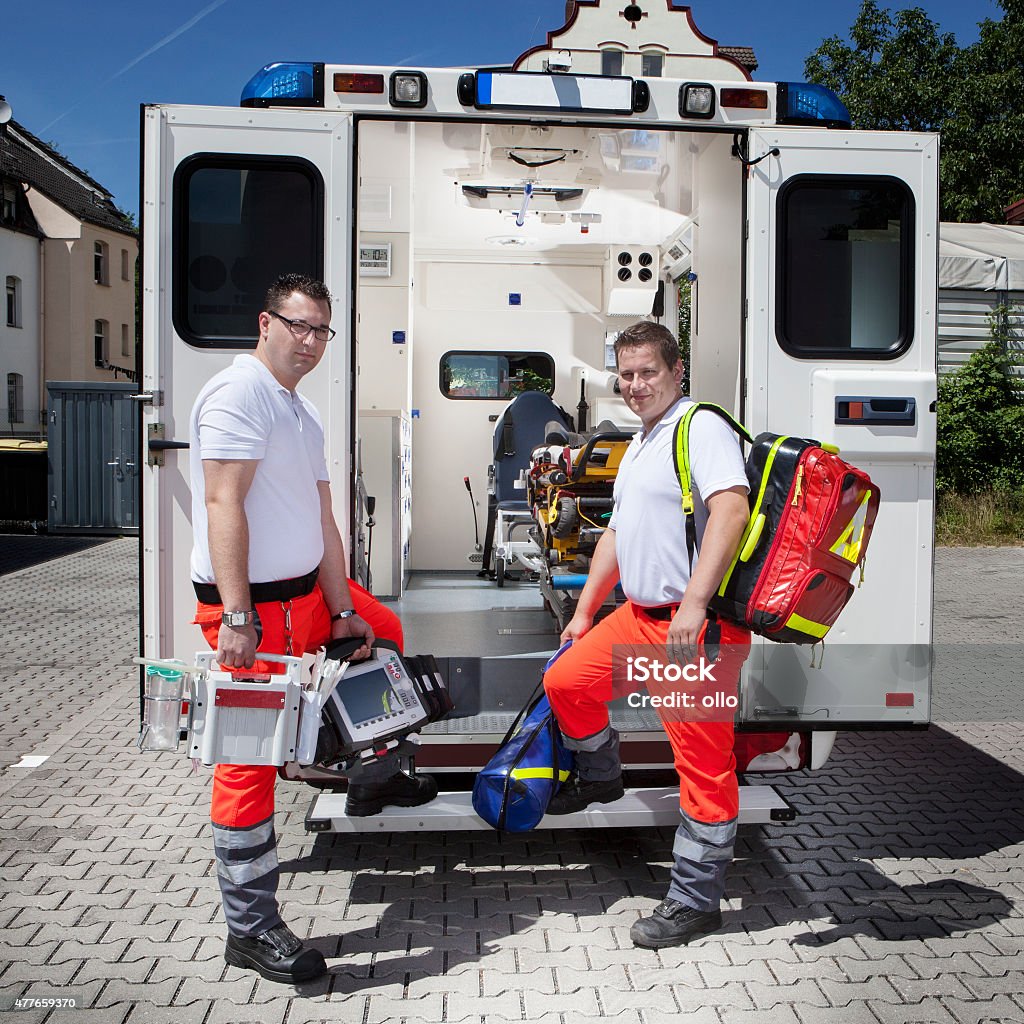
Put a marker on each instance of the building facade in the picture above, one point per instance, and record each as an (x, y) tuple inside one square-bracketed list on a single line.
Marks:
[(67, 256), (645, 39)]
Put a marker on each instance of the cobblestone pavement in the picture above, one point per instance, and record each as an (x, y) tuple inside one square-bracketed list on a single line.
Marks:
[(896, 896)]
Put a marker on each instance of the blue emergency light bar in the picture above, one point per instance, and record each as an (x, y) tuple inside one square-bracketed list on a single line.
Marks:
[(285, 84), (533, 90), (804, 103)]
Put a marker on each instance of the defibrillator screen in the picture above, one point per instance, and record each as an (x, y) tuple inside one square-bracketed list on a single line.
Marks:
[(368, 695)]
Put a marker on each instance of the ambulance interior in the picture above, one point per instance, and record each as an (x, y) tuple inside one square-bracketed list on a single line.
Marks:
[(490, 249)]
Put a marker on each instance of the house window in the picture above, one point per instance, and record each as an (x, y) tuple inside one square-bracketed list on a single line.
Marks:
[(9, 211), (101, 353), (15, 398), (500, 375), (845, 267), (651, 65), (100, 272), (13, 302), (611, 62), (126, 268), (125, 345)]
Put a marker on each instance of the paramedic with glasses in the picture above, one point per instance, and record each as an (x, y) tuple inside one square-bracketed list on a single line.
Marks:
[(645, 550), (268, 567)]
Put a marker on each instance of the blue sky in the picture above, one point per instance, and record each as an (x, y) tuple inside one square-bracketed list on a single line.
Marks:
[(75, 73)]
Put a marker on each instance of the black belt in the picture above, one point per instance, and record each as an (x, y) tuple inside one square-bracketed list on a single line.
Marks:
[(661, 612), (277, 590)]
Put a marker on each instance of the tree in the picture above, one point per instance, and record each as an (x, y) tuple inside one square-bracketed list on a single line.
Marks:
[(902, 73)]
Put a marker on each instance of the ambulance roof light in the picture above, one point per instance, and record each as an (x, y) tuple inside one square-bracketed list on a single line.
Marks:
[(805, 103), (285, 84)]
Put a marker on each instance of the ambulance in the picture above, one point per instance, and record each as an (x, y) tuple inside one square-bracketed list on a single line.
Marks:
[(480, 227)]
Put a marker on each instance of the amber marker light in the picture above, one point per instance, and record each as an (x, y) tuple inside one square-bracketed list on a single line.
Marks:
[(350, 82), (749, 99)]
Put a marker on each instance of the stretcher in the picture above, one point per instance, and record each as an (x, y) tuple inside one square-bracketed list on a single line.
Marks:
[(569, 488)]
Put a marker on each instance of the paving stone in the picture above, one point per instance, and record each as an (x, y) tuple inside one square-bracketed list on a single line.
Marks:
[(716, 975), (694, 1015), (428, 1008), (228, 1013), (863, 1013), (1011, 984), (949, 1010), (801, 992), (900, 873), (776, 1015), (692, 999), (875, 989)]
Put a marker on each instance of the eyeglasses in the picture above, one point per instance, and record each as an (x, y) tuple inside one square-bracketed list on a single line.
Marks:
[(300, 329)]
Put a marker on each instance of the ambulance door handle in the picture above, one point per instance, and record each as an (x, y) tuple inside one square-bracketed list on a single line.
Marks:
[(157, 444), (873, 411)]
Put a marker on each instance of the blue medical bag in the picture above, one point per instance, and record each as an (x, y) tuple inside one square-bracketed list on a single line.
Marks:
[(512, 792)]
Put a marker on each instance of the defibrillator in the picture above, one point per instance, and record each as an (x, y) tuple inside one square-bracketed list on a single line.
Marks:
[(371, 705)]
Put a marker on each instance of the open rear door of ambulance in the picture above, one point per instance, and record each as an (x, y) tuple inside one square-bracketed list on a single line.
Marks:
[(231, 199), (840, 336)]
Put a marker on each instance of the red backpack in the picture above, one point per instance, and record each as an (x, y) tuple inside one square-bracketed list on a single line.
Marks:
[(811, 516)]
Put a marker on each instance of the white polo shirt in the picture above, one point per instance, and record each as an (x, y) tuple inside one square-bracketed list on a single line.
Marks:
[(244, 413), (650, 528)]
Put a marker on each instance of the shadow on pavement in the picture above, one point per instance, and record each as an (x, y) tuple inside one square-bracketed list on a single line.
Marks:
[(912, 801), (919, 804), (22, 552)]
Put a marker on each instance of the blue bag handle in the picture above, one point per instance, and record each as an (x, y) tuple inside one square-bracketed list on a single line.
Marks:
[(538, 691)]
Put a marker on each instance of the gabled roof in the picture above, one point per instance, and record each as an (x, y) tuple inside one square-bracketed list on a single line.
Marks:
[(742, 54), (30, 160)]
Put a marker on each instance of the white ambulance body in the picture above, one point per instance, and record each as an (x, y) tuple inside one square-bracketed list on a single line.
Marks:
[(470, 226)]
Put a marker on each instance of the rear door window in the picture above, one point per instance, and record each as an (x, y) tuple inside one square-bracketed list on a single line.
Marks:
[(240, 222), (845, 267)]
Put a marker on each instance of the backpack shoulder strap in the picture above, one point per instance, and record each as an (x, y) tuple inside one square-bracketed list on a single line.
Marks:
[(681, 461)]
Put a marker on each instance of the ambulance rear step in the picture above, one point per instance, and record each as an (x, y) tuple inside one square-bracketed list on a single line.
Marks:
[(453, 812)]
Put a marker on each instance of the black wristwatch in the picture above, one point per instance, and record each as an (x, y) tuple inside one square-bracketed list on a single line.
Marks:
[(346, 614), (238, 618)]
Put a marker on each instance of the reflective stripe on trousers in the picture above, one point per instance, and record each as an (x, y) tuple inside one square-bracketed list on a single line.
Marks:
[(242, 804), (247, 873), (578, 686), (701, 855)]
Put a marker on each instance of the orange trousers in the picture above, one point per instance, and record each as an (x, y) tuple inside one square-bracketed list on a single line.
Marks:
[(579, 685), (243, 795)]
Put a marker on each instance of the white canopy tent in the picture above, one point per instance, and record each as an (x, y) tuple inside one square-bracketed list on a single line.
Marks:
[(980, 266), (981, 257)]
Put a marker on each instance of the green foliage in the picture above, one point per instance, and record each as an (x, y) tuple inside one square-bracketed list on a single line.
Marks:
[(685, 310), (981, 418), (900, 72), (528, 380)]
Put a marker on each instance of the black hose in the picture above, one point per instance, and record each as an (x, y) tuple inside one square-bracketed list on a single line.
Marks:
[(476, 527)]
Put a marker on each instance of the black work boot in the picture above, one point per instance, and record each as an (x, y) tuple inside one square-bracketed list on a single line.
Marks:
[(400, 790), (278, 954), (673, 924), (576, 793)]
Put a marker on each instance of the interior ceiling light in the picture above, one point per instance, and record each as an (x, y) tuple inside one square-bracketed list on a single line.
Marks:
[(508, 241)]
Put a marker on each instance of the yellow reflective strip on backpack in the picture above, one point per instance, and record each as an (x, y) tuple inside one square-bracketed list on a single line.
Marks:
[(798, 622), (848, 546), (756, 509), (682, 447), (538, 773), (683, 459)]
